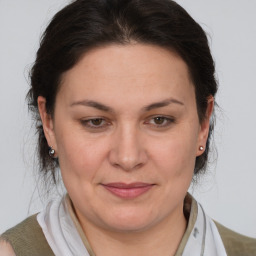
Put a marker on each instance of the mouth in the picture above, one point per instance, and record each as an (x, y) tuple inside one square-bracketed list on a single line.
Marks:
[(128, 191)]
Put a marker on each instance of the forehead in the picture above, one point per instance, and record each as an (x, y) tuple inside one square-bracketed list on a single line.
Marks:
[(135, 71)]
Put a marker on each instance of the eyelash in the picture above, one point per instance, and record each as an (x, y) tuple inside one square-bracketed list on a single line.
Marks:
[(167, 121), (88, 122)]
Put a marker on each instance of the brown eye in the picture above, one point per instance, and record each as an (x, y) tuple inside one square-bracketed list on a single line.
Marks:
[(159, 120), (97, 121)]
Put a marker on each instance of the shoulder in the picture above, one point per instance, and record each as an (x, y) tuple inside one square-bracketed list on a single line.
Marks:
[(236, 244), (27, 238), (23, 232), (6, 248)]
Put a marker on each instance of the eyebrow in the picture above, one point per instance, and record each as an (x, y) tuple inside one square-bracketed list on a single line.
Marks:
[(93, 104), (100, 106), (163, 103)]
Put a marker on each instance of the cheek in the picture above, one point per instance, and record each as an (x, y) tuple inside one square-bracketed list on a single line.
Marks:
[(175, 155), (79, 156)]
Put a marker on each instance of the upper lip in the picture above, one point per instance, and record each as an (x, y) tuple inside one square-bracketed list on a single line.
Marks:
[(123, 185)]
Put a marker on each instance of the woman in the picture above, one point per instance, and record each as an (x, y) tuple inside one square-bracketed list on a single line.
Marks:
[(124, 93)]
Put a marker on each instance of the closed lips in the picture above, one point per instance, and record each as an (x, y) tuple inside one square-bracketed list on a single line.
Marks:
[(128, 191)]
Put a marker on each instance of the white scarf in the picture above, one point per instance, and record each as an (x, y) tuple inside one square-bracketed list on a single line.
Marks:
[(63, 237), (204, 239)]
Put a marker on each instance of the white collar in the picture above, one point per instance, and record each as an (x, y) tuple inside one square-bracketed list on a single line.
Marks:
[(64, 239), (204, 238)]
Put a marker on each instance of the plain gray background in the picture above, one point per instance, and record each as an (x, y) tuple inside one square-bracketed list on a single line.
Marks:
[(227, 191)]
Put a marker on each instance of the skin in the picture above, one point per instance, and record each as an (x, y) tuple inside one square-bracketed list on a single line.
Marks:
[(130, 139), (6, 249)]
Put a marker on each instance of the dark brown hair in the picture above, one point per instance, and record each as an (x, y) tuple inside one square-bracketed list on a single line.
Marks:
[(86, 24)]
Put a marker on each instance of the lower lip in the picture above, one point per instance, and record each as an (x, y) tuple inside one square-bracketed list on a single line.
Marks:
[(128, 193)]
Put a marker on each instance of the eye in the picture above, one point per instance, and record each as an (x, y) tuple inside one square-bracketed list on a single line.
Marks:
[(95, 123), (160, 121)]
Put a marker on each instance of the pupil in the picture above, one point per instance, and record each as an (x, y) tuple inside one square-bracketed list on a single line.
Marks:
[(159, 120), (96, 121)]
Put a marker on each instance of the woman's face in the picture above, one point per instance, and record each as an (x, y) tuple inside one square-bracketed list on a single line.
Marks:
[(126, 132)]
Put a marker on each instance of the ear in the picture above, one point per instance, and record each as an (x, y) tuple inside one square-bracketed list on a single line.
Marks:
[(47, 122), (204, 127)]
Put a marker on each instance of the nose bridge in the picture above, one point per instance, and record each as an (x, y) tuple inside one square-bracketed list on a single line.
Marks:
[(127, 151)]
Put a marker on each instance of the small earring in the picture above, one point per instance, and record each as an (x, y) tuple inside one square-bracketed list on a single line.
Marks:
[(51, 152), (201, 148)]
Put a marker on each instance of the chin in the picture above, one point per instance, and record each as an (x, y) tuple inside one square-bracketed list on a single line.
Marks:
[(120, 226), (130, 221)]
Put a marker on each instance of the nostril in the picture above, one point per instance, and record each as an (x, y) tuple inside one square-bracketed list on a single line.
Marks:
[(116, 165), (127, 167)]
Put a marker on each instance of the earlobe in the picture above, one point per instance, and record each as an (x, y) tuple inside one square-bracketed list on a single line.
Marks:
[(204, 127), (47, 122)]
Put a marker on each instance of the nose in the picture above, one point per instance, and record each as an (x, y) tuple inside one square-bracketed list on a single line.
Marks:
[(127, 149)]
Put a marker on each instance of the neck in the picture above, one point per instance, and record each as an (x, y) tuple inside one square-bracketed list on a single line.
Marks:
[(161, 239)]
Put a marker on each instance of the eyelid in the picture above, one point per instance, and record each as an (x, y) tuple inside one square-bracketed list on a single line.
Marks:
[(169, 119), (86, 123)]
